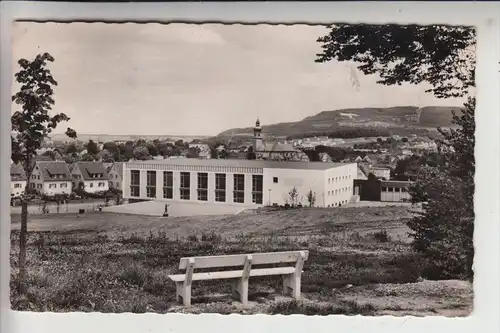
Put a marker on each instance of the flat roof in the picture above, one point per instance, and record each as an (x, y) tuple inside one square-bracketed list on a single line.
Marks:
[(247, 163)]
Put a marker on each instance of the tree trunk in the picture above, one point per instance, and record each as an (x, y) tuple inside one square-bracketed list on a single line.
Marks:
[(22, 246)]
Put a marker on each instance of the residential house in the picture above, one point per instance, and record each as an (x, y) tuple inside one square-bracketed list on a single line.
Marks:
[(381, 172), (115, 175), (91, 176), (51, 178), (17, 180)]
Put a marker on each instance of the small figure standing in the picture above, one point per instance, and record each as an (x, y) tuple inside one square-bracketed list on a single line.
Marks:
[(165, 213)]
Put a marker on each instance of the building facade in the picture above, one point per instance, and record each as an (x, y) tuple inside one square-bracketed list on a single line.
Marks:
[(382, 190), (90, 176), (115, 175), (18, 180), (274, 150), (238, 182), (51, 178), (381, 172)]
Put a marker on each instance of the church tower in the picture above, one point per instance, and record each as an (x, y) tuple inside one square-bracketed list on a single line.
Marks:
[(257, 136)]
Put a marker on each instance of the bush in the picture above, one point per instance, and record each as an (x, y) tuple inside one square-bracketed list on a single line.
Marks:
[(382, 236)]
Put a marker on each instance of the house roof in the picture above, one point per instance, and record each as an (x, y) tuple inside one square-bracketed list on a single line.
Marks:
[(89, 168), (17, 172), (49, 168), (118, 167), (265, 164)]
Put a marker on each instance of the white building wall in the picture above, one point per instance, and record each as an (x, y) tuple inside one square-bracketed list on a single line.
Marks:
[(382, 173), (54, 187), (339, 184), (92, 186), (36, 180), (193, 186), (392, 195), (303, 180), (17, 187)]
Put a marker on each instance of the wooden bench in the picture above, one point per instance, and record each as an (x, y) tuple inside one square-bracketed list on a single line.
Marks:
[(291, 274)]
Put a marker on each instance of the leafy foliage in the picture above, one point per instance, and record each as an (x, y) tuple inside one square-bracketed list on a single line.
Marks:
[(30, 127), (442, 56)]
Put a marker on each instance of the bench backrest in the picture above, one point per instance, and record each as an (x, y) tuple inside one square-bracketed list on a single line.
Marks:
[(234, 260)]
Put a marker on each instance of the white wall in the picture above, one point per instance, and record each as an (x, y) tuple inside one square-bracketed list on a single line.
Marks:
[(392, 195), (92, 186), (36, 180), (303, 180), (57, 187), (17, 187), (339, 184), (382, 173)]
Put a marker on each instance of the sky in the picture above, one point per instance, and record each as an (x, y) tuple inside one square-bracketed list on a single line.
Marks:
[(188, 79)]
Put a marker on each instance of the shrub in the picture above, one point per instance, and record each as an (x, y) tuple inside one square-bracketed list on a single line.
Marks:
[(382, 236)]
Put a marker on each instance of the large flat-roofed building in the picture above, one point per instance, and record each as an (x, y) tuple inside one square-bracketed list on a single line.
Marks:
[(238, 182)]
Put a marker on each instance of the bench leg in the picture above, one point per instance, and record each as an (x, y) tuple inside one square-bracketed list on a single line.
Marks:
[(240, 291), (183, 292), (291, 285)]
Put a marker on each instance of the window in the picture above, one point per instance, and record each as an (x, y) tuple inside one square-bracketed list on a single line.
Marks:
[(39, 185), (151, 184), (220, 187), (202, 186), (185, 188), (100, 184), (17, 185), (384, 189), (52, 185), (91, 184), (117, 184), (275, 180), (257, 185), (63, 185), (397, 189), (38, 177), (168, 184), (239, 188), (135, 183)]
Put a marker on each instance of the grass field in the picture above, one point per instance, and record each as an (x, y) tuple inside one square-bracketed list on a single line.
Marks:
[(359, 263)]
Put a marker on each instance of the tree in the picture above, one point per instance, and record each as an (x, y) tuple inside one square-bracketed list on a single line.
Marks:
[(311, 198), (92, 148), (31, 125), (153, 151), (113, 148), (444, 58), (141, 153), (293, 195), (251, 154)]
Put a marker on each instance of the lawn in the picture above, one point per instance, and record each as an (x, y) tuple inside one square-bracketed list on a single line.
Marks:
[(359, 263)]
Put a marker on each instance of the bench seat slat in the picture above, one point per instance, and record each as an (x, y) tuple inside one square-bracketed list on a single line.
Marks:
[(233, 274), (239, 259)]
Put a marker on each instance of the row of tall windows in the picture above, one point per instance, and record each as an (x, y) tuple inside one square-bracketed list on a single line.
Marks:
[(202, 186)]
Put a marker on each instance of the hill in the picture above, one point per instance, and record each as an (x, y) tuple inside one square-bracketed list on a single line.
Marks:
[(397, 120), (124, 137)]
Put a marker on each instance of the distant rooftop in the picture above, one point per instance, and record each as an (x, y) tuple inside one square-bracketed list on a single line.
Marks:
[(247, 163)]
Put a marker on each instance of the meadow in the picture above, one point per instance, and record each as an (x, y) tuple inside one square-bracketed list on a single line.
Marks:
[(360, 262)]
